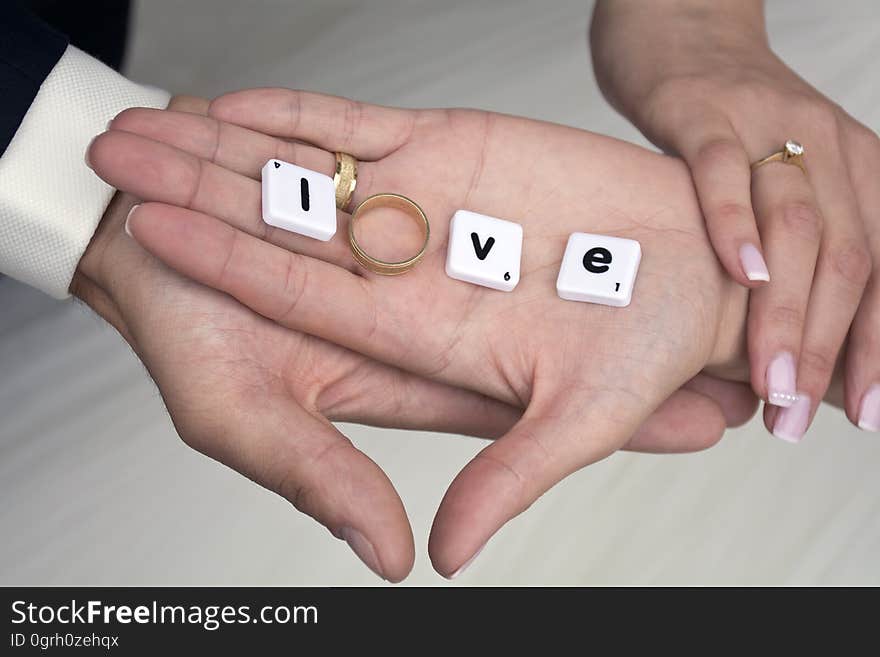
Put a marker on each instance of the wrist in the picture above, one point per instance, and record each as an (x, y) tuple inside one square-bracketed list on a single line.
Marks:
[(637, 46), (95, 271)]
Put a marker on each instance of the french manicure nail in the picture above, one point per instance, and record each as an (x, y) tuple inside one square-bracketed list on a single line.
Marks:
[(128, 218), (869, 413), (467, 563), (363, 548), (791, 423), (781, 380), (753, 263)]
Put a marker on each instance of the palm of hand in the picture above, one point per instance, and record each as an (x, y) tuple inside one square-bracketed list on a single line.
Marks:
[(589, 374), (554, 182)]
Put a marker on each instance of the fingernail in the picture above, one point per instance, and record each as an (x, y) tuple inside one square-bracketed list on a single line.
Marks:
[(791, 423), (88, 148), (781, 380), (363, 548), (109, 123), (869, 413), (753, 263), (467, 563), (128, 218)]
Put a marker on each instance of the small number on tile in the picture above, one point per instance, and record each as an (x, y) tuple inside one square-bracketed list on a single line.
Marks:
[(599, 269), (484, 250)]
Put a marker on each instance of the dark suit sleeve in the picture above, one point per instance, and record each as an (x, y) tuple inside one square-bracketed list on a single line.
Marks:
[(29, 50)]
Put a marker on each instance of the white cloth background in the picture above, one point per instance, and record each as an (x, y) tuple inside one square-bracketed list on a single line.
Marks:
[(97, 489)]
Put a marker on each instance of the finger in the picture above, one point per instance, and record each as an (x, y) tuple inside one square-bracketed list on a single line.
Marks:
[(155, 171), (722, 177), (862, 386), (550, 442), (288, 288), (191, 104), (792, 227), (380, 395), (368, 132), (842, 272), (272, 282), (686, 422), (516, 473), (306, 460), (736, 400), (227, 145), (769, 415), (862, 381)]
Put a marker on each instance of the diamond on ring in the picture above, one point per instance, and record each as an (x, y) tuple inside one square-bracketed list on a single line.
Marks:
[(793, 148)]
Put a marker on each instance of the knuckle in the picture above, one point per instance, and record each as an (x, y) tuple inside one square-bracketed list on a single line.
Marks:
[(294, 288), (851, 262), (226, 265), (295, 491), (352, 120), (786, 317), (196, 176), (719, 151), (293, 102), (301, 490), (872, 143), (802, 219), (824, 119), (867, 138), (728, 212)]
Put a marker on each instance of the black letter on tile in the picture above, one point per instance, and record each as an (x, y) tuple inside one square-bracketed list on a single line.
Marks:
[(482, 251), (304, 193), (596, 260)]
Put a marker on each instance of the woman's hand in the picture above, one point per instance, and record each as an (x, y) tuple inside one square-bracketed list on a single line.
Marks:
[(587, 375), (701, 81), (258, 397)]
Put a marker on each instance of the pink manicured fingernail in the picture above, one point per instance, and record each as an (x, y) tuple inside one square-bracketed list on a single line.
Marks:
[(791, 423), (467, 563), (753, 263), (869, 413), (128, 218), (363, 548), (781, 380)]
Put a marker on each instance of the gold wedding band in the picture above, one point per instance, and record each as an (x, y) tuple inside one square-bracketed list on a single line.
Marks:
[(397, 202), (345, 179), (791, 153)]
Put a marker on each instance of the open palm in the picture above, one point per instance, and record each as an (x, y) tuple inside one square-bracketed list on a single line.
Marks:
[(588, 376)]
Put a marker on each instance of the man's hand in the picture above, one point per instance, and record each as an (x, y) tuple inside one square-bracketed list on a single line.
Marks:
[(258, 397), (588, 376)]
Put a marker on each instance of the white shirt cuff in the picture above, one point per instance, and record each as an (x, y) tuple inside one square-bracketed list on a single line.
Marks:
[(50, 201)]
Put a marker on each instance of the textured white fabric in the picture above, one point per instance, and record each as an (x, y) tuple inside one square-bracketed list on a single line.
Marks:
[(50, 201)]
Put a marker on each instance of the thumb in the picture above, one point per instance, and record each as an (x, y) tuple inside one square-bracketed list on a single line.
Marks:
[(305, 459), (506, 477)]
